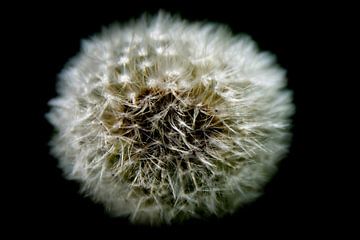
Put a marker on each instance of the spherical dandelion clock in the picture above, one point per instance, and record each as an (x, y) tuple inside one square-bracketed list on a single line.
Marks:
[(162, 120)]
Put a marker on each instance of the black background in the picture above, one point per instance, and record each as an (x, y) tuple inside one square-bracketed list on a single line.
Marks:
[(295, 201)]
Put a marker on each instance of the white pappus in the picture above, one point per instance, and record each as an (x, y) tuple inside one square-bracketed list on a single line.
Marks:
[(161, 119)]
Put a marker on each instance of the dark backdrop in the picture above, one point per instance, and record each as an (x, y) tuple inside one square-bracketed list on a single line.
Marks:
[(292, 203)]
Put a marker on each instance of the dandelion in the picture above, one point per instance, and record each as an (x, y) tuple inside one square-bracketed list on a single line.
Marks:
[(163, 120)]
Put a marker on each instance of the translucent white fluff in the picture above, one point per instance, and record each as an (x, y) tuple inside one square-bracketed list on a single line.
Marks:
[(161, 119)]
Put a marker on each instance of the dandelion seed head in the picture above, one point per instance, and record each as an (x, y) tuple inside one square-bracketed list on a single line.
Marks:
[(163, 120)]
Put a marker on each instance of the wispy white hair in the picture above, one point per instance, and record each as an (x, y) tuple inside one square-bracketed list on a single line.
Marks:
[(162, 119)]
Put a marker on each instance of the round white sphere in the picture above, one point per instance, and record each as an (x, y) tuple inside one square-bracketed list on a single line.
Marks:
[(161, 119)]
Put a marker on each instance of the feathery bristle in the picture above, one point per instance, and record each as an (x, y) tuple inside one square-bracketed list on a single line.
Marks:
[(162, 120)]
